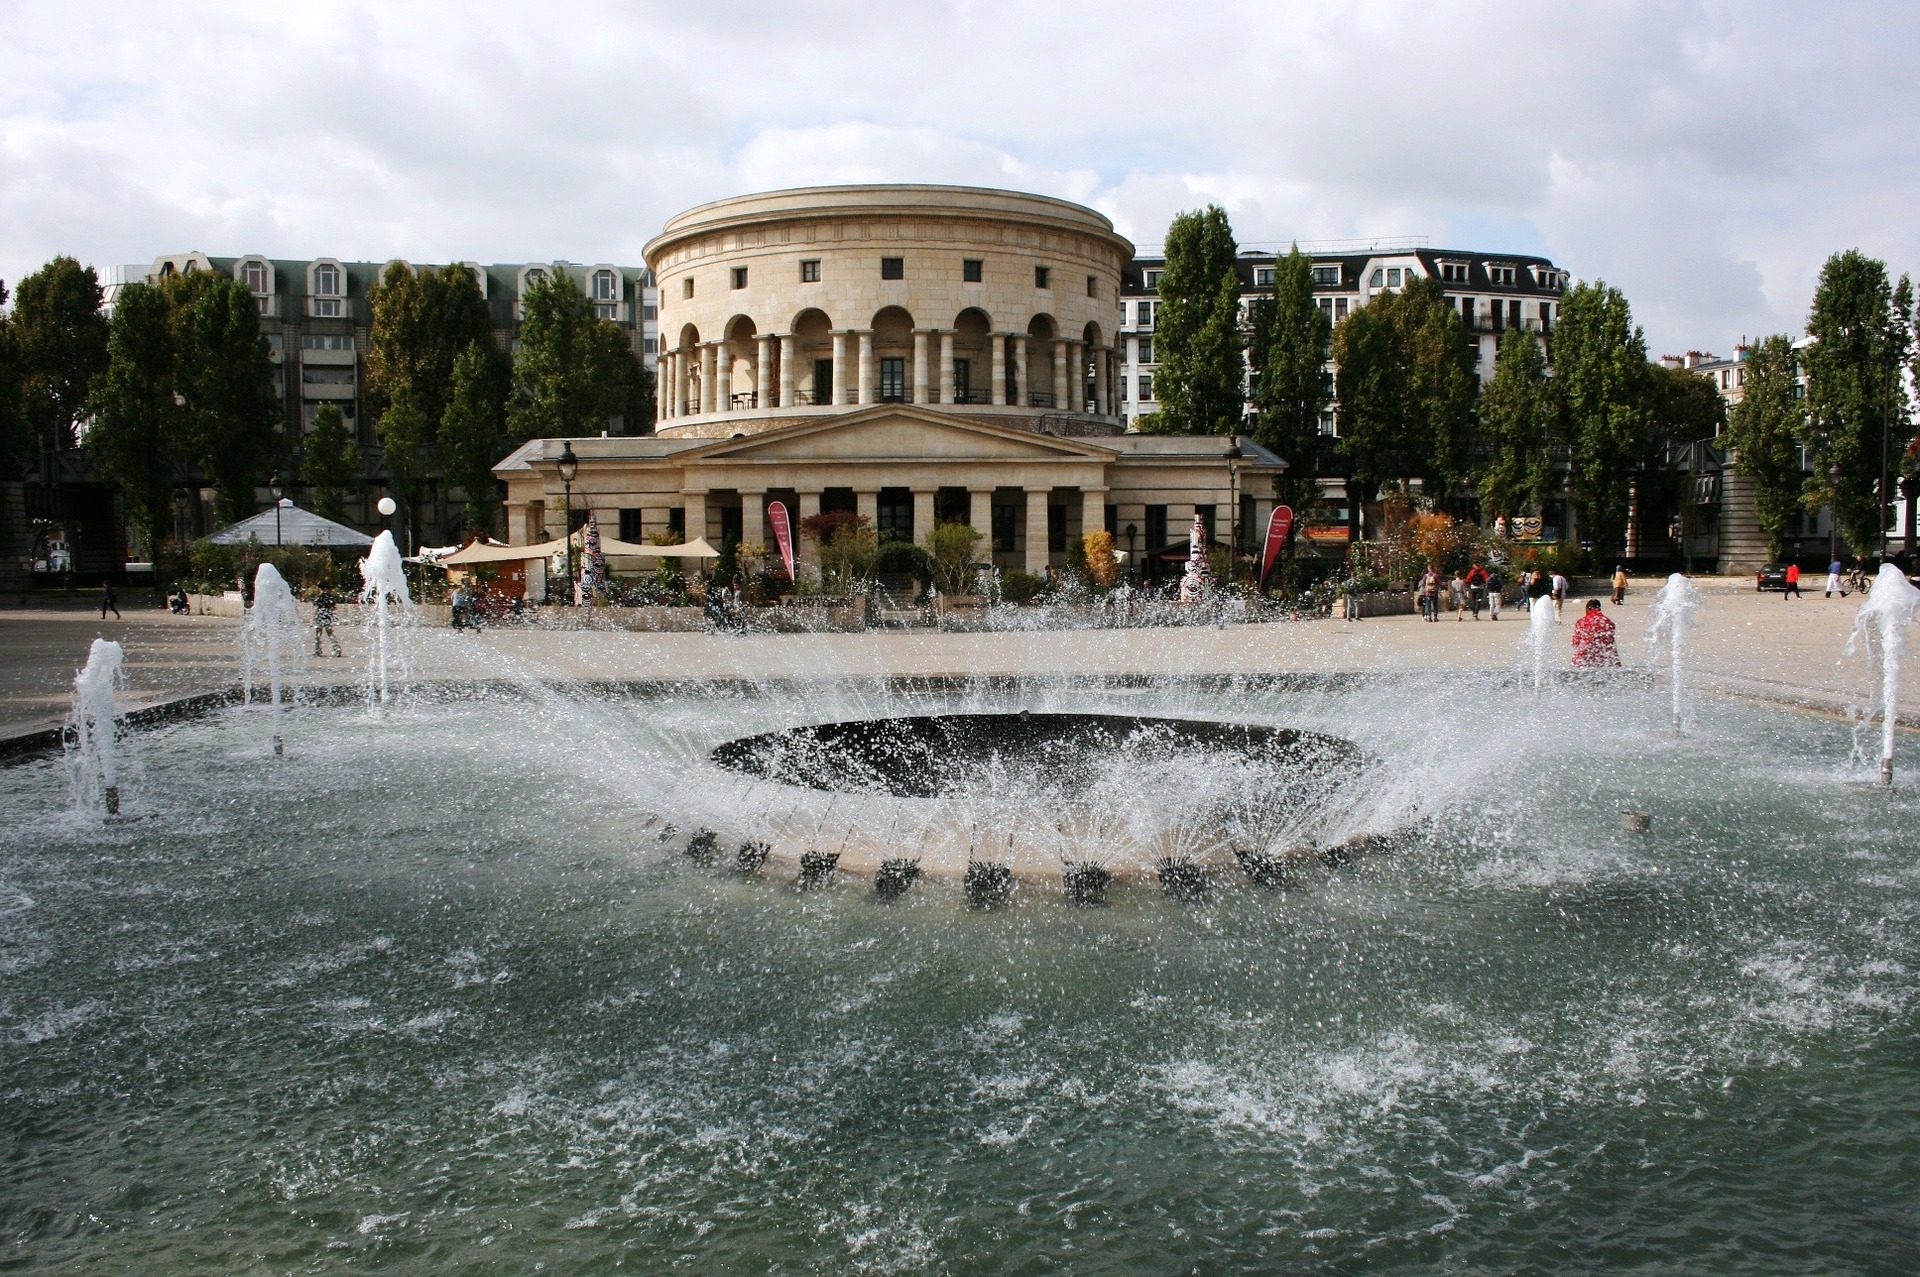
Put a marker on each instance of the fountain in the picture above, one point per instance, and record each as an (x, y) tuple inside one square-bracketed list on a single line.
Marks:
[(1675, 608), (93, 761), (384, 581), (271, 629), (1880, 633), (1541, 639)]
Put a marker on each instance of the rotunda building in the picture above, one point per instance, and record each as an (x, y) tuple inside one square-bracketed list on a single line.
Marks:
[(789, 305)]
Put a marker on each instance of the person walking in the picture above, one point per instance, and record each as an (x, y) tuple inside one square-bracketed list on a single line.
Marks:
[(1457, 595), (458, 608), (1495, 585), (1619, 583), (108, 599), (1793, 582), (1560, 588), (1834, 581), (1430, 595), (1476, 590), (323, 605), (1350, 593)]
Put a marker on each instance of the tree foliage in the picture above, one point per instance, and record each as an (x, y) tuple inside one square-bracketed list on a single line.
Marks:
[(1600, 366), (226, 380), (952, 546), (1855, 396), (1406, 391), (60, 342), (332, 465), (1201, 380), (1520, 423), (15, 436), (1290, 342), (573, 372), (423, 321), (407, 436), (1764, 430), (136, 435), (472, 430)]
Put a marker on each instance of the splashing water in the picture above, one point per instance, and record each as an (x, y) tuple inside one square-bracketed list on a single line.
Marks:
[(1880, 630), (94, 769), (384, 583), (1674, 611), (1539, 640), (272, 627)]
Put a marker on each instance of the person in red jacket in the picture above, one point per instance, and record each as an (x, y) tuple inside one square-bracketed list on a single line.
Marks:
[(1793, 582), (1593, 641)]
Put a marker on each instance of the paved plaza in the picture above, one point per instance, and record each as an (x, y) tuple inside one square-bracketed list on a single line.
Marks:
[(1747, 644)]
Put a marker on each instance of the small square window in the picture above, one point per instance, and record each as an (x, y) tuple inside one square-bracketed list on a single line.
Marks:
[(1263, 277), (810, 271), (1093, 286), (739, 277), (1153, 279), (686, 286), (1393, 277), (1040, 277), (893, 268), (973, 270), (1326, 276)]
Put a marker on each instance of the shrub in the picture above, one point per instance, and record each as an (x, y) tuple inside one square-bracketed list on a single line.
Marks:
[(952, 547), (1097, 550), (903, 558), (1017, 586)]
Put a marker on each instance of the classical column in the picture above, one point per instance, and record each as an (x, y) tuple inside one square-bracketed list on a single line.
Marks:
[(1037, 529), (809, 506), (682, 379), (1076, 376), (866, 367), (866, 504), (1093, 510), (919, 366), (1060, 373), (839, 368), (659, 399), (722, 379), (1100, 381), (696, 514), (999, 369), (753, 517), (710, 395), (763, 373), (786, 371), (1022, 387), (946, 365), (980, 515), (922, 514)]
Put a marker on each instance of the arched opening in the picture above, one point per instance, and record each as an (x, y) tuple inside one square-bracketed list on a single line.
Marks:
[(813, 357), (972, 357), (687, 361), (1040, 363), (892, 353), (740, 386)]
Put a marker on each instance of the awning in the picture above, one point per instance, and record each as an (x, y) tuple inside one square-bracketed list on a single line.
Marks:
[(698, 548)]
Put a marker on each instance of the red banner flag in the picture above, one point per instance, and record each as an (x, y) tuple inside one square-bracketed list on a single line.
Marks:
[(1277, 528), (782, 534)]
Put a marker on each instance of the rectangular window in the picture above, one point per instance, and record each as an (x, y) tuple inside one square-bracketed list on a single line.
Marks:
[(1006, 519), (1093, 286), (1206, 520), (1326, 276), (973, 270), (1339, 309), (893, 268), (649, 313), (739, 277), (1156, 527), (650, 346), (630, 525), (1040, 277), (1263, 277), (1466, 311), (1056, 529), (326, 375), (326, 281), (1327, 426), (962, 380), (1152, 278), (327, 341), (1146, 350), (257, 277), (810, 271), (733, 524), (1326, 306), (1113, 521), (1546, 317), (1393, 277), (893, 514), (325, 307), (1498, 314), (1513, 313), (1145, 312), (686, 286), (823, 381), (677, 522), (893, 379), (1145, 394)]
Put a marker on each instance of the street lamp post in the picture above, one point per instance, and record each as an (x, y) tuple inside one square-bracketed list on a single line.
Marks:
[(180, 498), (1233, 506), (278, 490), (569, 466)]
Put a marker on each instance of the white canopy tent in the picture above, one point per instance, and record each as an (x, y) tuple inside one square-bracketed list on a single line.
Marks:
[(611, 547), (290, 525)]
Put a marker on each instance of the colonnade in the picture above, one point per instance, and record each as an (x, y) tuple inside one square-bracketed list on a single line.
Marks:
[(692, 377)]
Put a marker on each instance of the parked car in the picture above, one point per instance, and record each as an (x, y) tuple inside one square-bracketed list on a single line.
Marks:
[(1771, 577)]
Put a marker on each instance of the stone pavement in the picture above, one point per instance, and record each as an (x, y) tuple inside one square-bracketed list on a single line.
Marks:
[(1747, 643)]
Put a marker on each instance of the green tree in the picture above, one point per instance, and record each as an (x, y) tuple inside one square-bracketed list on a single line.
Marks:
[(332, 465), (572, 371), (61, 341), (1683, 406), (15, 436), (1520, 423), (952, 547), (1290, 345), (137, 435), (1855, 397), (423, 322), (1600, 365), (226, 381), (1764, 430), (1201, 381), (1406, 389), (471, 434), (406, 437)]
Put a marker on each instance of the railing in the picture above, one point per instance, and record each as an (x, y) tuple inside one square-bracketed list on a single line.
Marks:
[(893, 396), (973, 396), (1036, 399), (811, 399), (746, 399)]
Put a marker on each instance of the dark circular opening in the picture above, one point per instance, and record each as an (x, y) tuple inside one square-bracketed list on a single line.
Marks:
[(925, 757)]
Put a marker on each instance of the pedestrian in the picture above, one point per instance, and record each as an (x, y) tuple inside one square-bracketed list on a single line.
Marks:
[(1560, 588), (1538, 588), (1350, 592), (1619, 583), (1496, 584), (108, 600), (459, 606), (1593, 639), (1477, 589), (1793, 582), (1833, 580), (323, 605), (1430, 595)]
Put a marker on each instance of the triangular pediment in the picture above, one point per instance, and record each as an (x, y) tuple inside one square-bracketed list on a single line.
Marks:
[(899, 432)]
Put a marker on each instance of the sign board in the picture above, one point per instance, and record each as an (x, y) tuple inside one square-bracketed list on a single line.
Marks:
[(782, 534), (1277, 528)]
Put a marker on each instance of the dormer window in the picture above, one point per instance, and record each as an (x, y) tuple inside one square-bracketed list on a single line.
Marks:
[(1454, 272), (1500, 276), (1326, 275), (1153, 279), (606, 286), (328, 289), (1263, 277), (535, 278), (257, 277)]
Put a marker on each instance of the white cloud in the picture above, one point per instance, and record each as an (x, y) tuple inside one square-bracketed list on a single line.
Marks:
[(1705, 156)]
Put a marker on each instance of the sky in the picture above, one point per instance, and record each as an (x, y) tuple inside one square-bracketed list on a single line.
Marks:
[(1706, 158)]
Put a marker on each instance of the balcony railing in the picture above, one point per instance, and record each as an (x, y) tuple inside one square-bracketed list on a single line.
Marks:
[(746, 399), (1037, 399), (812, 399), (973, 396)]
